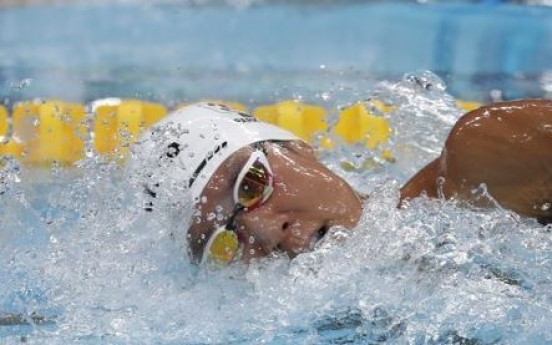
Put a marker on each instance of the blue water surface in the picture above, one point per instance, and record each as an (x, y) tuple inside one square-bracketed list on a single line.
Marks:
[(173, 52)]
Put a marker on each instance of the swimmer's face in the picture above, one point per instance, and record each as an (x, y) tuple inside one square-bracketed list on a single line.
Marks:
[(307, 200)]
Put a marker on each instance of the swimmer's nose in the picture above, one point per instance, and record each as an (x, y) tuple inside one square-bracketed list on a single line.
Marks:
[(263, 230), (290, 232)]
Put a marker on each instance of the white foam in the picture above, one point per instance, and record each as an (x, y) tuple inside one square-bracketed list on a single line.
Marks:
[(83, 253)]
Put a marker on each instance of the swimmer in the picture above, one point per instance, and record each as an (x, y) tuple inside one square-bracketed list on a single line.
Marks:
[(258, 189)]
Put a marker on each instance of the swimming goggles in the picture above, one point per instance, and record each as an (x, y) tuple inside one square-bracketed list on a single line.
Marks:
[(254, 185)]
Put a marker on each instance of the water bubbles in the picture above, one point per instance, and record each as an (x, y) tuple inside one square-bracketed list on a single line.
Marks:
[(432, 272), (9, 175), (426, 80), (21, 84), (325, 96), (35, 121), (89, 153)]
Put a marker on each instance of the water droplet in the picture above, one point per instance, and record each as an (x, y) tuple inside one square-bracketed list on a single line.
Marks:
[(21, 84), (426, 80)]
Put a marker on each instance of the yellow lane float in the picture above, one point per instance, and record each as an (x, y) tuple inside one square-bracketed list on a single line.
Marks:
[(118, 123), (3, 124), (302, 119), (357, 125), (7, 147), (49, 132), (467, 106)]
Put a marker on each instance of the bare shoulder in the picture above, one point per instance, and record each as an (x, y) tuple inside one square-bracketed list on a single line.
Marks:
[(523, 126), (506, 119), (507, 147)]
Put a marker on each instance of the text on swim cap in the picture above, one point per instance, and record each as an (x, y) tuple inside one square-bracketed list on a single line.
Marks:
[(204, 162)]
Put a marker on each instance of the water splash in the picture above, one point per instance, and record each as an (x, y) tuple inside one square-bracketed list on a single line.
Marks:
[(78, 249)]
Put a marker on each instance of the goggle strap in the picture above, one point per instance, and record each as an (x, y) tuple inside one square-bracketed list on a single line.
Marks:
[(231, 223)]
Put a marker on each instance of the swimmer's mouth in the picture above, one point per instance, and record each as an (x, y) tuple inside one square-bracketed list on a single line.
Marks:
[(318, 236)]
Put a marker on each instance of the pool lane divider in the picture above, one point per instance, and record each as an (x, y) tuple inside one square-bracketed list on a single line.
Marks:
[(53, 132), (118, 125), (3, 123), (49, 132), (361, 123), (302, 119)]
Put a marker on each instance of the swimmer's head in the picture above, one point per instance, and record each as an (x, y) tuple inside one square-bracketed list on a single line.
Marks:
[(194, 141), (256, 188)]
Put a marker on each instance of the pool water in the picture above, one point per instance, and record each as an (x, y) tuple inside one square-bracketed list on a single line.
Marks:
[(166, 51), (83, 263)]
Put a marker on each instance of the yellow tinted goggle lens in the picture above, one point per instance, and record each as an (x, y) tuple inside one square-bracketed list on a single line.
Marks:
[(254, 185), (224, 247)]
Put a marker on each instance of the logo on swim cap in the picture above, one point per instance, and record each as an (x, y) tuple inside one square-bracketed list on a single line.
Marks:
[(183, 151)]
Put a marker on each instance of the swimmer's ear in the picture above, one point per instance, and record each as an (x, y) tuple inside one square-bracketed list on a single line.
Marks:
[(301, 147)]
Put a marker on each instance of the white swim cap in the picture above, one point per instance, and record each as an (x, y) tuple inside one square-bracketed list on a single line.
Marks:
[(184, 150)]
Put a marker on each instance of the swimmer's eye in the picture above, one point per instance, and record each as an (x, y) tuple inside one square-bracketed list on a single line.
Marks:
[(252, 188)]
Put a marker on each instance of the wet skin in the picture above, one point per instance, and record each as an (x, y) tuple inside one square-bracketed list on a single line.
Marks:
[(307, 200), (508, 147)]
